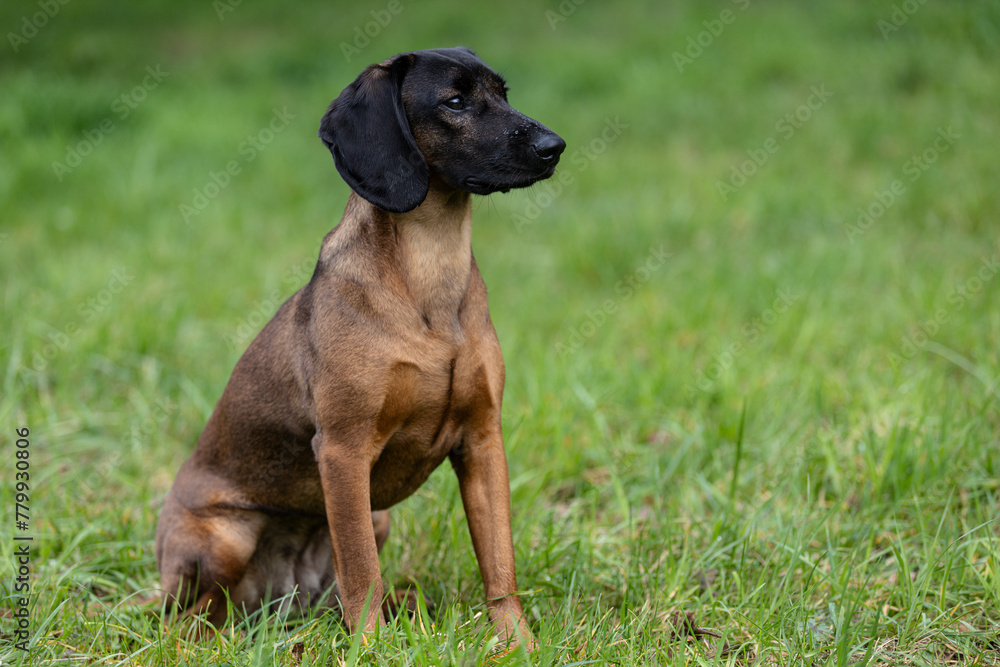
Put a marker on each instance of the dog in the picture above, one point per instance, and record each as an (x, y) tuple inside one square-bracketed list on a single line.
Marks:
[(382, 366)]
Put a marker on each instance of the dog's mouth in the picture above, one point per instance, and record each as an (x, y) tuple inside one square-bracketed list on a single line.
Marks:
[(482, 186)]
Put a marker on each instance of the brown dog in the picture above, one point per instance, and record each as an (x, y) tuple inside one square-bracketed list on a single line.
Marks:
[(382, 366)]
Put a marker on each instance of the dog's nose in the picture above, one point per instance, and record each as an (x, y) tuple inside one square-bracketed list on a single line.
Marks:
[(549, 146)]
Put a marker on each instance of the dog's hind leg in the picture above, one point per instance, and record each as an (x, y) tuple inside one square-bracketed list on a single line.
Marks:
[(202, 557), (382, 523)]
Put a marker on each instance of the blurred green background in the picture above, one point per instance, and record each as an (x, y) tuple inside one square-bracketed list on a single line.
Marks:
[(754, 313)]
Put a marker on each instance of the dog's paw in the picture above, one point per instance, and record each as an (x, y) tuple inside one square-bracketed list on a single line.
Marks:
[(404, 601)]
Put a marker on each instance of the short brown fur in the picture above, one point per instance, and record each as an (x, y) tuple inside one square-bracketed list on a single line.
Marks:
[(366, 379)]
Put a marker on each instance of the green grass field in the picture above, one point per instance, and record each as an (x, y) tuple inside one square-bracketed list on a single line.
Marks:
[(751, 328)]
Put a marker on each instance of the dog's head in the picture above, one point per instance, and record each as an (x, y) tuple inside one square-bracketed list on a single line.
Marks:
[(441, 111)]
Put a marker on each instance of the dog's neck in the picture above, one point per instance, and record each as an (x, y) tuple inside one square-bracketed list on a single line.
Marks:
[(434, 246), (429, 250)]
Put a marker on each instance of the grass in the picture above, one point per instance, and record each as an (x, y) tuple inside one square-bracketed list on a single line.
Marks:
[(747, 423)]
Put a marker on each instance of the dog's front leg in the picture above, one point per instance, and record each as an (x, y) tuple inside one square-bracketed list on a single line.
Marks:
[(346, 476), (483, 481)]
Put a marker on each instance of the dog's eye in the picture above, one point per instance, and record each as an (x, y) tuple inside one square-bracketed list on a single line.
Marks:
[(456, 103)]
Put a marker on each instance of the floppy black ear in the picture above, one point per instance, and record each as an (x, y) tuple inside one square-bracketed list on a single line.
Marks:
[(366, 130)]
